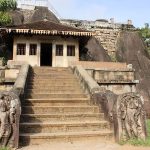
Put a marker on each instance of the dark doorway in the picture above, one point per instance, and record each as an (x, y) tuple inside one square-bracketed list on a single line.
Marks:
[(46, 54)]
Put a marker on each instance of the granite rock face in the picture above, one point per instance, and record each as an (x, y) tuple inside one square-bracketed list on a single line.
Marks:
[(22, 16), (131, 49), (93, 51)]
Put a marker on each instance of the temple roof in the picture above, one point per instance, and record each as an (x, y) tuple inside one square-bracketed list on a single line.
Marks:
[(47, 27)]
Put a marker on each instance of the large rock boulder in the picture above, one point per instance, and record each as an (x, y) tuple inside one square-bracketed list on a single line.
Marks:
[(131, 49), (93, 51)]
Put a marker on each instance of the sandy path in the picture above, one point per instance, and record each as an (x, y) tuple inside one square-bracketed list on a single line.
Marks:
[(88, 145)]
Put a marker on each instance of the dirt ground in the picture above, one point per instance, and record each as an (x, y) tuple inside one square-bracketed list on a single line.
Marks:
[(88, 145)]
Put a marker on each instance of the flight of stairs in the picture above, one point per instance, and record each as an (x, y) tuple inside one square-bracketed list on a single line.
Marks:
[(55, 109)]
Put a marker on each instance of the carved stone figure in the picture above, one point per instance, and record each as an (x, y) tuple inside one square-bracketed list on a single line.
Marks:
[(5, 124), (9, 119), (131, 116)]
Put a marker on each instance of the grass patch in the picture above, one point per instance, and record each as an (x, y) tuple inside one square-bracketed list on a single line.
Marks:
[(139, 142), (4, 148)]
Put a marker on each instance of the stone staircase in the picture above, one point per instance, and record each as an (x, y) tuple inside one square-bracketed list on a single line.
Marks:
[(55, 109)]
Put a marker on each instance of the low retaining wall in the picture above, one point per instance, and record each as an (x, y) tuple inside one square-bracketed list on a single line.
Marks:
[(124, 111), (100, 65), (10, 110), (119, 81), (86, 81)]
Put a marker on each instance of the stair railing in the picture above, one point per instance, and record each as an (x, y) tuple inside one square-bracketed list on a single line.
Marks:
[(10, 110), (125, 112)]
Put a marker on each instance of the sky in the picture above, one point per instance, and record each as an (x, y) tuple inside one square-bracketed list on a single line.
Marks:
[(121, 10)]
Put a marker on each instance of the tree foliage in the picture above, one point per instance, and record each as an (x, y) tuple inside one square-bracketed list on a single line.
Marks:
[(5, 7), (145, 34), (5, 19)]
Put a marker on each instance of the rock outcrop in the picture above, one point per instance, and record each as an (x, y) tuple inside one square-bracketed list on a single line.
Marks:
[(93, 51), (131, 49), (21, 16)]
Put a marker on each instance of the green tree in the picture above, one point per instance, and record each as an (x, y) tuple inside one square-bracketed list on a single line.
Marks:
[(5, 19), (145, 34), (5, 7)]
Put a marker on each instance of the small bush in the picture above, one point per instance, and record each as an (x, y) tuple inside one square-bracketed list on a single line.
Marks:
[(139, 142), (5, 19)]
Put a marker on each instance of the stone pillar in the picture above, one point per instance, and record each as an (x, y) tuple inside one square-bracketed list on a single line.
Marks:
[(53, 54), (65, 60), (27, 49), (77, 52), (129, 22), (38, 54), (14, 50), (112, 20)]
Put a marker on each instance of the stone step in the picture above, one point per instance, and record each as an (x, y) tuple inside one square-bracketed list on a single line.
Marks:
[(56, 82), (54, 127), (55, 108), (35, 79), (59, 109), (56, 102), (62, 117), (53, 76), (54, 95), (48, 84), (45, 72), (40, 138), (62, 91), (50, 71), (57, 87), (51, 68), (50, 74)]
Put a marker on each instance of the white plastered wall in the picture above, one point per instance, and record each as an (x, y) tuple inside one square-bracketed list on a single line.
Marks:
[(57, 61)]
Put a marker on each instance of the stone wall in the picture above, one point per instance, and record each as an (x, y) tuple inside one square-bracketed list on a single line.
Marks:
[(101, 65), (118, 81), (99, 23), (107, 32), (5, 87), (116, 77), (7, 77), (108, 39)]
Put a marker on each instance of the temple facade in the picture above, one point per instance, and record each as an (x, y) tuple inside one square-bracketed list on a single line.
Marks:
[(46, 43)]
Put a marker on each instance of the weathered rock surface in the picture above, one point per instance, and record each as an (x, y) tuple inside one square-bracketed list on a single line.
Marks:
[(27, 16), (131, 49), (94, 51)]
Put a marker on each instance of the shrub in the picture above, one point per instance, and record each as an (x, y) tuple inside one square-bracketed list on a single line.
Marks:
[(139, 142), (5, 19)]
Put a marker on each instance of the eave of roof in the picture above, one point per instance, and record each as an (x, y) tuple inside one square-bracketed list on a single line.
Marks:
[(48, 28)]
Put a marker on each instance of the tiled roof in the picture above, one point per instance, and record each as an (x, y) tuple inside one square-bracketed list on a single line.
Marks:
[(47, 27)]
